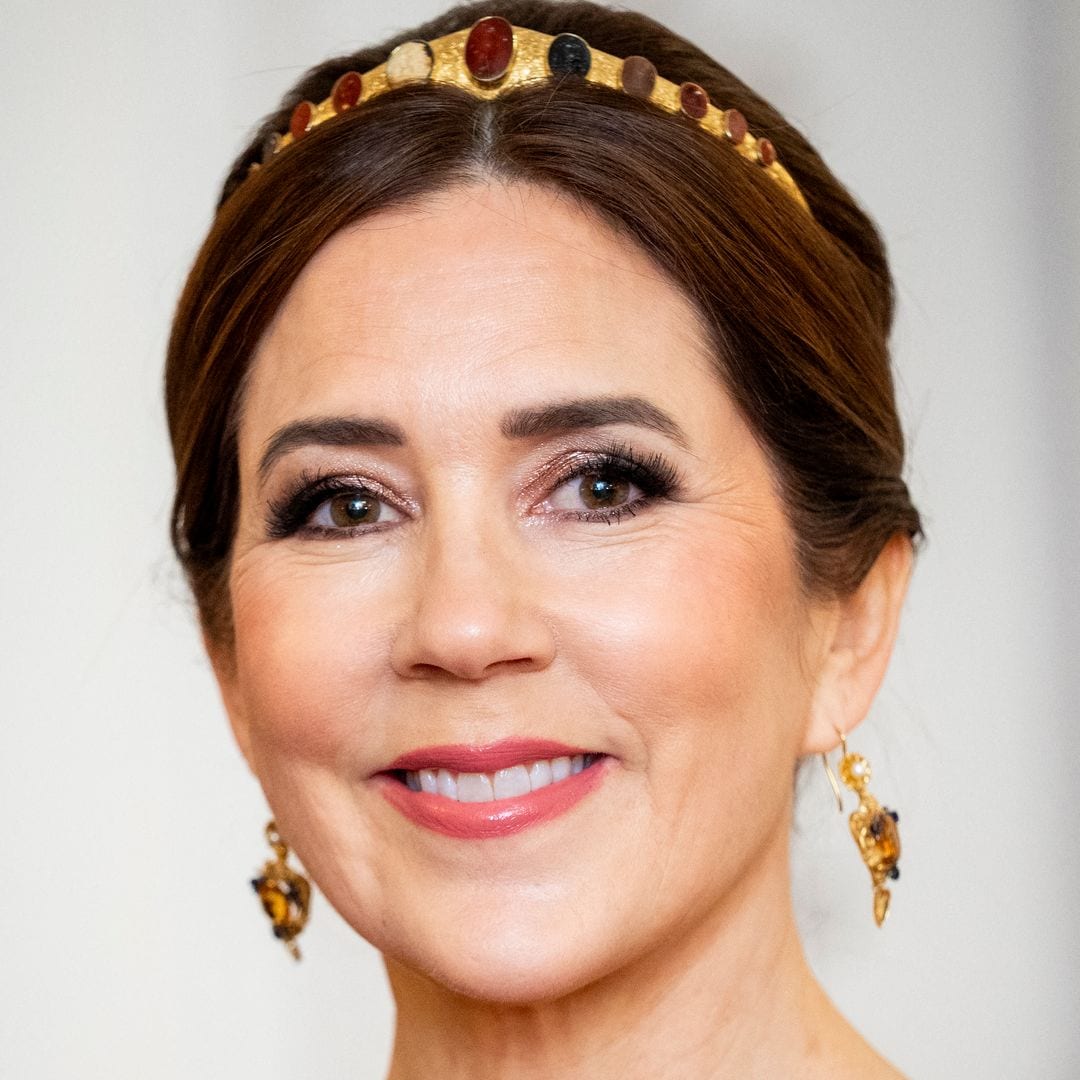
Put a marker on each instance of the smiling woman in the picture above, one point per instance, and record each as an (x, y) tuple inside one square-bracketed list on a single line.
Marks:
[(538, 464)]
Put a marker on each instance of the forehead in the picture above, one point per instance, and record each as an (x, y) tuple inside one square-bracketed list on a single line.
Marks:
[(480, 298)]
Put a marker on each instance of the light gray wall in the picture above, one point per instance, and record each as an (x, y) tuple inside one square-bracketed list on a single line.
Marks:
[(128, 826)]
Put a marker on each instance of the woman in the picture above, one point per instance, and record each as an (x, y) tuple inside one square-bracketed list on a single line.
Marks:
[(539, 482)]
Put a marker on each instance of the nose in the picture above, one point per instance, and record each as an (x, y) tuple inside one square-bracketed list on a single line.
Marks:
[(474, 609)]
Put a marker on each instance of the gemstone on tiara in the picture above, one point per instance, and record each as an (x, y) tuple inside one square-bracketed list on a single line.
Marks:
[(411, 61), (693, 101), (489, 48), (569, 54), (300, 121), (347, 91), (735, 126), (766, 152), (638, 77)]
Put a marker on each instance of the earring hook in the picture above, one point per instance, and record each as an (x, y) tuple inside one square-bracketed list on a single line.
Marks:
[(831, 775)]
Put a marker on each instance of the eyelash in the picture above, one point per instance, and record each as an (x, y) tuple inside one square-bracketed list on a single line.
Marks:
[(654, 477)]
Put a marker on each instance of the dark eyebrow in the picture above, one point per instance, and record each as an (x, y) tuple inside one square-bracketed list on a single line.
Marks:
[(329, 431), (589, 413)]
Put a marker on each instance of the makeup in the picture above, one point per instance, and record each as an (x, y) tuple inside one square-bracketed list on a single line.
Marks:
[(487, 792)]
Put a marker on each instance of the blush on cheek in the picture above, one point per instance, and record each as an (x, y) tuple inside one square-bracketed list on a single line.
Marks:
[(301, 674)]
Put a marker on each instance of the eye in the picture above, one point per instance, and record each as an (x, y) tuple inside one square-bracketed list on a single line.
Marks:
[(598, 490), (348, 509), (320, 507)]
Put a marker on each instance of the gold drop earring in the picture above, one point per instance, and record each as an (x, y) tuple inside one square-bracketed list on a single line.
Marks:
[(873, 826), (284, 893)]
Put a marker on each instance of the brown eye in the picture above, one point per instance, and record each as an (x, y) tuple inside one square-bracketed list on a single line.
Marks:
[(354, 508), (600, 492)]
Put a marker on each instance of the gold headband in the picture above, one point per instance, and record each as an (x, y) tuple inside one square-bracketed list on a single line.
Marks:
[(492, 57)]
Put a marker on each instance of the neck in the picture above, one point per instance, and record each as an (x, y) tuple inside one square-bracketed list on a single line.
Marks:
[(730, 997)]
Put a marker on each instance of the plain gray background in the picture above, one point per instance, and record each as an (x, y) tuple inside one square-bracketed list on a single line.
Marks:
[(132, 946)]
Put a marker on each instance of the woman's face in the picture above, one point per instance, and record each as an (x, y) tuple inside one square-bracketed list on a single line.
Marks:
[(498, 510)]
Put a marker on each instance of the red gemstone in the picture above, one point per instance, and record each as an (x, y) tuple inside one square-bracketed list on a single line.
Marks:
[(735, 126), (488, 48), (347, 91), (301, 119), (766, 152), (693, 100)]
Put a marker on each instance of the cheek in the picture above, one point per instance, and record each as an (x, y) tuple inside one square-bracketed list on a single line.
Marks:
[(306, 654), (694, 643)]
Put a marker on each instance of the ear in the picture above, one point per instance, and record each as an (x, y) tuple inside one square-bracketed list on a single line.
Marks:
[(856, 654), (223, 661)]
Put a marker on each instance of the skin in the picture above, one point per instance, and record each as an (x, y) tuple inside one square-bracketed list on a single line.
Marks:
[(648, 932)]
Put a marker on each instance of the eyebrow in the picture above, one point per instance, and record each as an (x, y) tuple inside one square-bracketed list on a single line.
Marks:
[(528, 423), (590, 413), (329, 431)]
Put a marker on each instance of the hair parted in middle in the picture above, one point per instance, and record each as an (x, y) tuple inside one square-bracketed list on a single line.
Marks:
[(797, 308)]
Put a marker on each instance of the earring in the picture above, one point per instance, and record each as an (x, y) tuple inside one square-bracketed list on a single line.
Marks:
[(284, 893), (873, 826)]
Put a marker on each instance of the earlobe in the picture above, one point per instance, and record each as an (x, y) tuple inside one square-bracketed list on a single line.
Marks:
[(223, 661), (862, 640)]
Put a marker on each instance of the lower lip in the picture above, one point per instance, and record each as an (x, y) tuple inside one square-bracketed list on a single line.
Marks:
[(489, 820)]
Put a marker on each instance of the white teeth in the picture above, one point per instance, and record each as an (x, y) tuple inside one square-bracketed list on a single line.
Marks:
[(511, 782), (539, 774), (474, 787), (508, 783), (447, 784)]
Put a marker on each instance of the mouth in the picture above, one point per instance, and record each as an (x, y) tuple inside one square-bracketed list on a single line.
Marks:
[(490, 791)]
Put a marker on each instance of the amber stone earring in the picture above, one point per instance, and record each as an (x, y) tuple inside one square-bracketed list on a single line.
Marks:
[(873, 826), (284, 893)]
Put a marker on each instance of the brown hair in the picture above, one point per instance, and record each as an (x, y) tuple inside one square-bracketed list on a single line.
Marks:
[(798, 309)]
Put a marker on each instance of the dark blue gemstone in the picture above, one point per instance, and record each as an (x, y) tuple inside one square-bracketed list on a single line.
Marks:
[(894, 815), (894, 873), (569, 55), (280, 931), (256, 882)]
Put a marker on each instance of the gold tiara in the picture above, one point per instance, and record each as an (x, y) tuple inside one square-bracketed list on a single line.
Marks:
[(493, 56)]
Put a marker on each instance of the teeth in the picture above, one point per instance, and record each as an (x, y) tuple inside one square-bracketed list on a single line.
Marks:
[(511, 782), (539, 774), (474, 787), (504, 784), (447, 784)]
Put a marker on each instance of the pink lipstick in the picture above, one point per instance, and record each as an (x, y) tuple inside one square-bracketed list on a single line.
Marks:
[(484, 792)]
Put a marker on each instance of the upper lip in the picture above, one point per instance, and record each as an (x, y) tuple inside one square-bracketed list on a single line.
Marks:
[(461, 757)]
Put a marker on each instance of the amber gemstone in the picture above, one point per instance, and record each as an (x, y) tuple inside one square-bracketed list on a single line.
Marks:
[(488, 48), (693, 100), (411, 61), (301, 119), (735, 126), (569, 54), (766, 152), (347, 91), (638, 76)]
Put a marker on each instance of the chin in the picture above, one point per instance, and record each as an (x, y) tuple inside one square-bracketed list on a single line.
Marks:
[(510, 969)]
